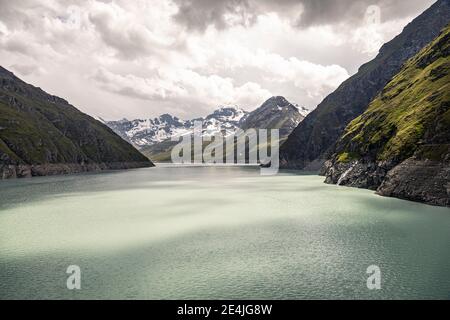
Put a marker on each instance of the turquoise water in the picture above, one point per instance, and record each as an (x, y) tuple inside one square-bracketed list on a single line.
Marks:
[(216, 233)]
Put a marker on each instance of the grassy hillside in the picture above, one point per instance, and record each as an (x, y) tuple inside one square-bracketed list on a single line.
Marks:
[(38, 128), (313, 141), (410, 116), (400, 146)]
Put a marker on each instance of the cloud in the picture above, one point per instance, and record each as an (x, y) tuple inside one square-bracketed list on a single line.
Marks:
[(134, 86), (121, 58), (182, 85), (199, 14), (3, 29), (313, 79), (353, 12), (320, 12), (125, 31), (28, 69)]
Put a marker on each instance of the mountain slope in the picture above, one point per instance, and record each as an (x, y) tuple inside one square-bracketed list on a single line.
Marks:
[(142, 132), (275, 113), (42, 134), (401, 144), (313, 140)]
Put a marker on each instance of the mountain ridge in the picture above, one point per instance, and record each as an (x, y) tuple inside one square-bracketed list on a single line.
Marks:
[(400, 146), (267, 116), (146, 132), (312, 142), (42, 134), (274, 113)]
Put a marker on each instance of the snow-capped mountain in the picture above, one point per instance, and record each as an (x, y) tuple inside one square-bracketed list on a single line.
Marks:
[(147, 132), (225, 119), (153, 136), (275, 113), (302, 110)]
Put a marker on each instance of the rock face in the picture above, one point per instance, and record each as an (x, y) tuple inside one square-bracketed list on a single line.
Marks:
[(419, 180), (400, 146), (41, 134), (50, 169), (313, 140)]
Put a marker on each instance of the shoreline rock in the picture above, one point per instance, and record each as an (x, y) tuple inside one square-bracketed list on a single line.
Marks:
[(52, 169), (418, 180), (414, 179)]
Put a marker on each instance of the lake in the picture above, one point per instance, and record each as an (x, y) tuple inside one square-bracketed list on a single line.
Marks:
[(216, 233)]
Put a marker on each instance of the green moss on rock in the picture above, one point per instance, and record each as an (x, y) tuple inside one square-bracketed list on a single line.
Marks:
[(347, 157)]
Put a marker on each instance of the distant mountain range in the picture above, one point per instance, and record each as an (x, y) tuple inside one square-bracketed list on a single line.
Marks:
[(153, 136), (41, 134), (147, 132)]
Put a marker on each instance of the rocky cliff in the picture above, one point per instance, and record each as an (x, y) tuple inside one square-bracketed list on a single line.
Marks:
[(41, 134), (311, 143), (400, 146)]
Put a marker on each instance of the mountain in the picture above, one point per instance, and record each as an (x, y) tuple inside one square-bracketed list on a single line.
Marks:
[(148, 132), (313, 140), (401, 144), (229, 118), (275, 113), (142, 132), (41, 134)]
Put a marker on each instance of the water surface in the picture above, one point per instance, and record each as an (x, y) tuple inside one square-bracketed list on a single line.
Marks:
[(216, 233)]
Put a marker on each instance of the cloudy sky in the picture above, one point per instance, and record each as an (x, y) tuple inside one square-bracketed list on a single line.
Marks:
[(143, 58)]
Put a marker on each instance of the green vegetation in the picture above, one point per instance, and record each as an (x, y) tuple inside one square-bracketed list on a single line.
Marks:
[(317, 135), (346, 157), (410, 114), (162, 152), (37, 128)]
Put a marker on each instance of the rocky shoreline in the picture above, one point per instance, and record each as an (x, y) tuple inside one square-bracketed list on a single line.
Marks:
[(419, 180), (358, 174), (416, 180), (50, 169)]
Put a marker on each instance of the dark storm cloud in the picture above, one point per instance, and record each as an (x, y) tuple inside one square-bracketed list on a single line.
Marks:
[(320, 12), (199, 14)]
